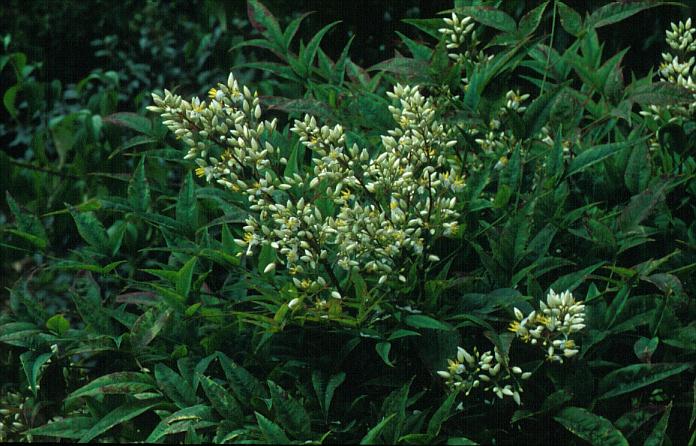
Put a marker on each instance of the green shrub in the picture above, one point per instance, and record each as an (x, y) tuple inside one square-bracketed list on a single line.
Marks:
[(490, 240)]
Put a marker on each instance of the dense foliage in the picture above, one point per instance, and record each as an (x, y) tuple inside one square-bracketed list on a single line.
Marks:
[(488, 238)]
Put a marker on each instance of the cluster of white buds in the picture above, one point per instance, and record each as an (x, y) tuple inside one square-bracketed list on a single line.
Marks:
[(551, 327), (388, 204), (489, 370), (678, 72), (681, 36), (226, 138), (514, 101), (461, 35), (546, 137), (359, 210), (457, 30), (679, 69), (494, 140)]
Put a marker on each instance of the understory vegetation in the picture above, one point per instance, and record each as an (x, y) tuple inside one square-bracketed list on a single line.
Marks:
[(228, 233)]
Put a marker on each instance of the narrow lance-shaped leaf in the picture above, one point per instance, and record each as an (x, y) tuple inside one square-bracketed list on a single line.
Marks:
[(571, 21), (174, 386), (593, 155), (71, 428), (222, 400), (313, 45), (636, 376), (115, 383), (657, 436), (117, 416), (617, 11), (91, 229), (138, 188), (490, 17), (271, 431), (590, 427), (186, 206), (185, 276)]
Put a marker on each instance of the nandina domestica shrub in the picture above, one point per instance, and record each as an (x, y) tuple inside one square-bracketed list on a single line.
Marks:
[(491, 235)]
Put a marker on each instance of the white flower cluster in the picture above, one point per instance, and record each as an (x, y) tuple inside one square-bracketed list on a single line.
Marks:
[(226, 138), (490, 370), (495, 140), (681, 37), (461, 35), (375, 208), (551, 327), (679, 69), (391, 203)]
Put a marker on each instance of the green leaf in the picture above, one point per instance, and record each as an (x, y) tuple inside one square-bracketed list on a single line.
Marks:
[(117, 416), (313, 45), (79, 266), (138, 189), (593, 155), (460, 441), (271, 431), (244, 385), (266, 257), (292, 28), (373, 434), (658, 93), (71, 428), (573, 280), (174, 386), (657, 436), (644, 348), (278, 69), (34, 240), (538, 113), (489, 16), (383, 349), (264, 22), (87, 298), (91, 230), (58, 324), (617, 11), (223, 402), (9, 99), (18, 333), (32, 365), (638, 169), (441, 415), (401, 333), (590, 427), (147, 327), (693, 407), (419, 51), (292, 167), (180, 421), (423, 321), (115, 383), (571, 21), (28, 224), (636, 376), (530, 21), (135, 141), (325, 391), (411, 69), (186, 205), (642, 205), (289, 413), (184, 277), (132, 121)]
